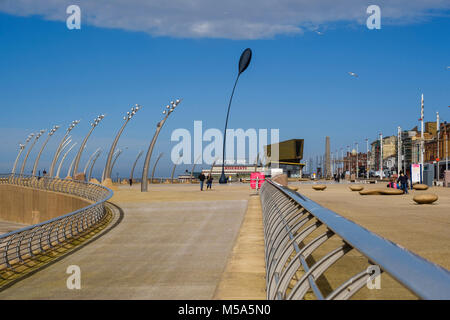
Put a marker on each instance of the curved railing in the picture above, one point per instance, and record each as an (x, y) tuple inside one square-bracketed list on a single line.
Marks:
[(19, 245), (289, 222)]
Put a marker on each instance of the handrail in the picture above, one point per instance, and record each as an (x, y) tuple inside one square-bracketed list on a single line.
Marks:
[(290, 217), (18, 245)]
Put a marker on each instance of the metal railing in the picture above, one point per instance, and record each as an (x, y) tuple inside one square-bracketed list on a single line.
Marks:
[(19, 245), (290, 220)]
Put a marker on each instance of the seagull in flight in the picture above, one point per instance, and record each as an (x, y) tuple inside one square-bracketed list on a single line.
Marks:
[(353, 74), (319, 33)]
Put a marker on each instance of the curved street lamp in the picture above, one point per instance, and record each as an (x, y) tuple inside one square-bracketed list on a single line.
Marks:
[(64, 145), (63, 158), (134, 164), (52, 131), (193, 168), (21, 148), (174, 166), (89, 160), (61, 143), (244, 61), (36, 138), (154, 166), (83, 144), (117, 154), (108, 169), (92, 165), (159, 125)]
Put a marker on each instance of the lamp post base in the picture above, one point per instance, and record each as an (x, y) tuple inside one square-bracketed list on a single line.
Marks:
[(223, 179)]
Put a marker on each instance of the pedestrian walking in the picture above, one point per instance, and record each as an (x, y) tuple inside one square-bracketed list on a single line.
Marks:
[(403, 180), (131, 182), (202, 178), (209, 182)]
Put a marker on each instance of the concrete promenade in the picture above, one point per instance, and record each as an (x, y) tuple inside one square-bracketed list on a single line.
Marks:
[(171, 243), (176, 242), (423, 229)]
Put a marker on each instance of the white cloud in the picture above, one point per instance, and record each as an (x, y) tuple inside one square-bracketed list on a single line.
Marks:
[(231, 19)]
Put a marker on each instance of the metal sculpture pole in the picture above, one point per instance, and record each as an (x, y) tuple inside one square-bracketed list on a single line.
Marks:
[(193, 168), (134, 164), (89, 160), (65, 144), (71, 166), (159, 125), (63, 158), (50, 134), (61, 143), (29, 150), (119, 152), (244, 61), (83, 144), (107, 170), (92, 165), (21, 148), (154, 166), (210, 170), (173, 170)]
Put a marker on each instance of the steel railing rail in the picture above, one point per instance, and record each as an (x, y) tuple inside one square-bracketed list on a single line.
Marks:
[(289, 218), (19, 245)]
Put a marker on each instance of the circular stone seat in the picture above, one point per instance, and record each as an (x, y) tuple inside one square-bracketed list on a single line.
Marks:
[(425, 198), (387, 191), (293, 188), (356, 188), (319, 187), (420, 186)]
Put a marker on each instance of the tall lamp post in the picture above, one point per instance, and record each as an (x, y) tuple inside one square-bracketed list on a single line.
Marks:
[(159, 125), (244, 61), (92, 165), (36, 138), (173, 170), (134, 164), (83, 144), (367, 158), (357, 163), (52, 131), (154, 166), (421, 140), (119, 152), (89, 161), (21, 148), (61, 143), (437, 141), (381, 156), (64, 158), (128, 117)]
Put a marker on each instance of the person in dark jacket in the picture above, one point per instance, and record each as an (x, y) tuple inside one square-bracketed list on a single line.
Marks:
[(209, 182), (403, 180), (202, 178)]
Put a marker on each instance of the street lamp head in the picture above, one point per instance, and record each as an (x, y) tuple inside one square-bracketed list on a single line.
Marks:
[(245, 59)]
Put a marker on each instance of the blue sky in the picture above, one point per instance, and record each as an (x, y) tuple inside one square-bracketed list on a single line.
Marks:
[(297, 82)]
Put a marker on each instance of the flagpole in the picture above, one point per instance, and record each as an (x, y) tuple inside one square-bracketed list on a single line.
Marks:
[(421, 141)]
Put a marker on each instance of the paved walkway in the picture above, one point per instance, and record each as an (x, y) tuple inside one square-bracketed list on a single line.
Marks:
[(423, 229), (160, 250)]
